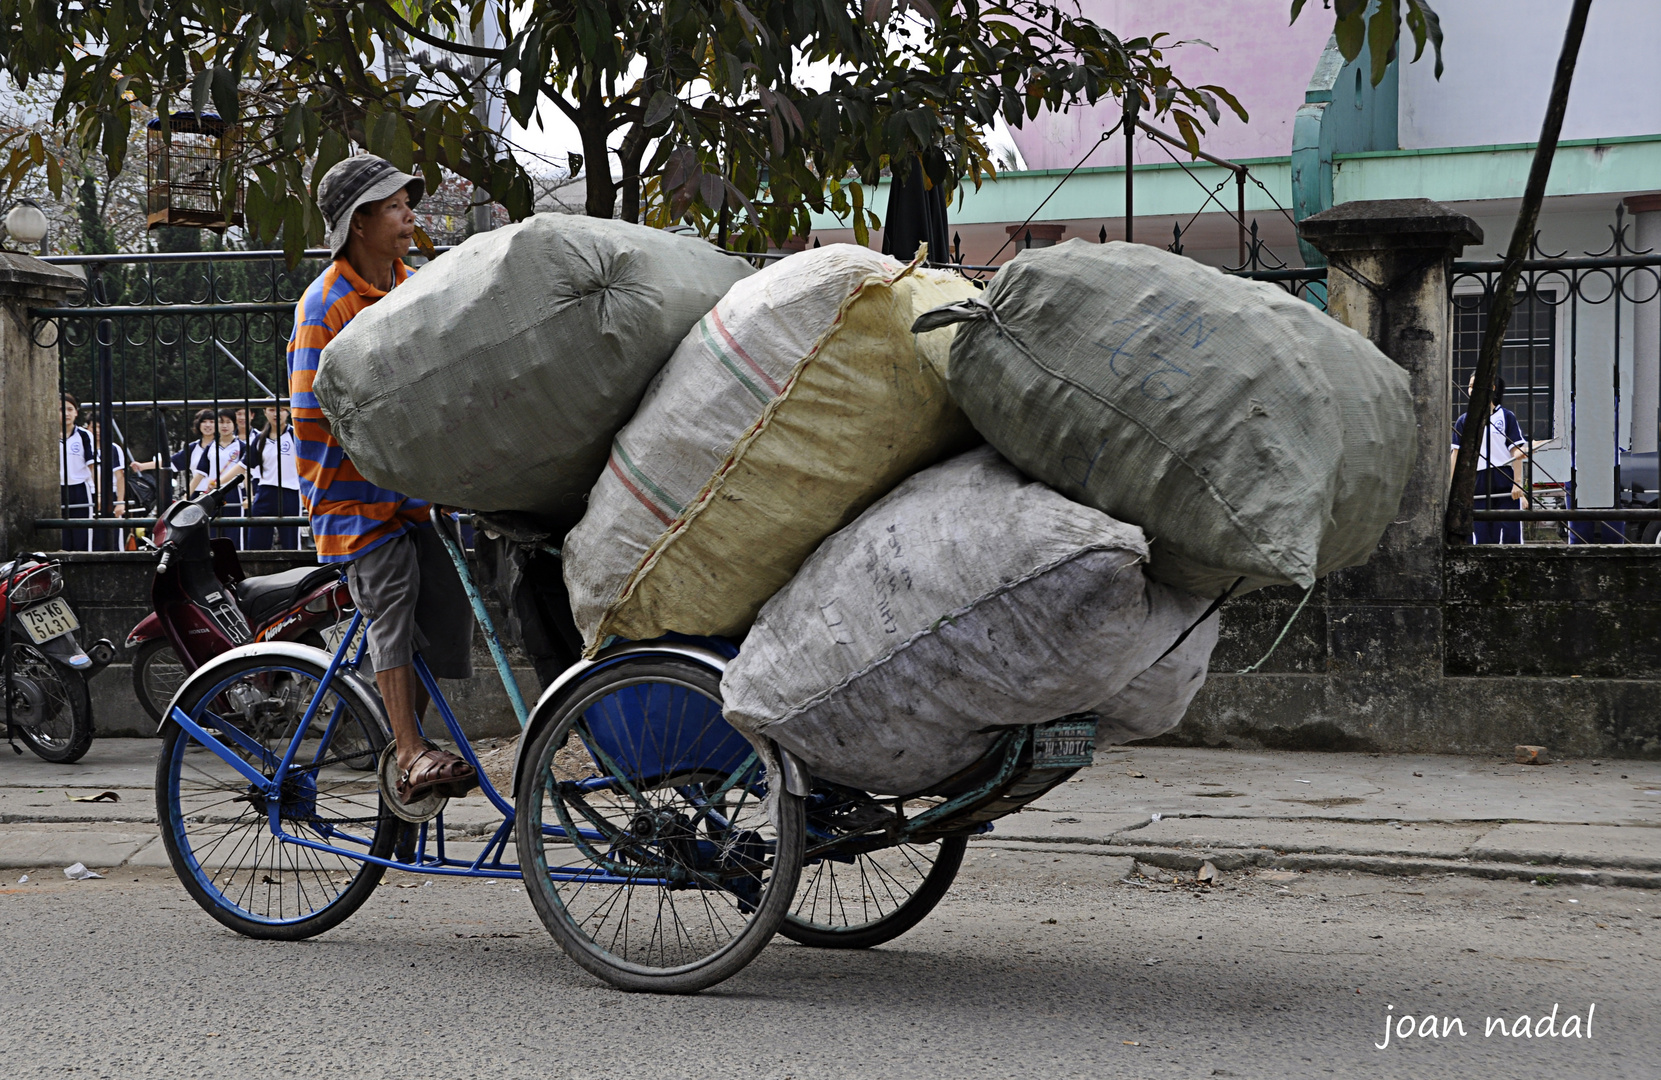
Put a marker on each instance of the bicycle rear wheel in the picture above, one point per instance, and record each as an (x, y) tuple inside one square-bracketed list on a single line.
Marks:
[(216, 826), (642, 833)]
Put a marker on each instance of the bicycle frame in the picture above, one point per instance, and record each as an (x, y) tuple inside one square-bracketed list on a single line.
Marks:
[(490, 862)]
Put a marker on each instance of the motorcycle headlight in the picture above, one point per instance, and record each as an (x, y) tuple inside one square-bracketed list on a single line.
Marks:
[(41, 583)]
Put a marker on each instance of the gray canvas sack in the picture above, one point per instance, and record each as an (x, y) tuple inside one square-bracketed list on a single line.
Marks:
[(967, 599), (1249, 433), (495, 377)]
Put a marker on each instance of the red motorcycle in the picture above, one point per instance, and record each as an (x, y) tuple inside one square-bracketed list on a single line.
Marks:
[(203, 605), (43, 684)]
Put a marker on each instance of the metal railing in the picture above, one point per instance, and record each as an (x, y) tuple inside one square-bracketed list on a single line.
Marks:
[(154, 339), (151, 344), (1581, 364)]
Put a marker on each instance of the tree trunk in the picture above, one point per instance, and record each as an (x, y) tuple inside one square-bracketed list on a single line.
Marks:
[(630, 155), (1462, 498), (593, 124)]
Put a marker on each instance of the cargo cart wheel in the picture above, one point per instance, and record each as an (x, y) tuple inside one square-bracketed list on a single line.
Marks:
[(643, 835), (859, 901)]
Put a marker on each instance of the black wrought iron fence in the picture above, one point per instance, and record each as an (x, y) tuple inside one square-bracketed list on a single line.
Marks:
[(174, 375), (158, 348), (1581, 365)]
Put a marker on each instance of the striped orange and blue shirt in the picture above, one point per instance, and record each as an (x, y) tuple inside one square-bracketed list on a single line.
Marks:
[(349, 515)]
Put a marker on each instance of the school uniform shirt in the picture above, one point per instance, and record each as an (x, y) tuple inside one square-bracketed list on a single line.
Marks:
[(77, 454), (1499, 436), (273, 460), (210, 462), (349, 515)]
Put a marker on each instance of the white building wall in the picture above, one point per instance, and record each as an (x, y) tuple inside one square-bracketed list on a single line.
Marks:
[(1500, 56)]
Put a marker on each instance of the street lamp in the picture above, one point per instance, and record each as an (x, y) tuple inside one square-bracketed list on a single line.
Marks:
[(26, 224)]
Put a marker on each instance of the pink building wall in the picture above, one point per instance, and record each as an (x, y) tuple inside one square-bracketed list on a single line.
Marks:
[(1257, 56)]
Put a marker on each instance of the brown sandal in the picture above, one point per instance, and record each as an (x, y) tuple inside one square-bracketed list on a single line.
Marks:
[(440, 772)]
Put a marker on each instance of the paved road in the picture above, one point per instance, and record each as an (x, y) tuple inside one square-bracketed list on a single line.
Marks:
[(1039, 964)]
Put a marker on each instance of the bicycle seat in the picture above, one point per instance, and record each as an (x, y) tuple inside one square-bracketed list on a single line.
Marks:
[(262, 597)]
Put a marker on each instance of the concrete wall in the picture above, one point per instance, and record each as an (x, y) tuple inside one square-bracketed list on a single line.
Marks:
[(1553, 646), (1500, 56), (111, 593), (1253, 52)]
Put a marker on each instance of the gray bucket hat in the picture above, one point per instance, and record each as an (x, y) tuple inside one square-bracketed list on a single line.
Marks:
[(355, 181)]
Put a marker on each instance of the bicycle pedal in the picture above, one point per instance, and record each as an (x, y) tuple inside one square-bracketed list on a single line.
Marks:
[(430, 804)]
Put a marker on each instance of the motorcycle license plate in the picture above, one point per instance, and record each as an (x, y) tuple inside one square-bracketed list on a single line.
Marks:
[(51, 619), (333, 634)]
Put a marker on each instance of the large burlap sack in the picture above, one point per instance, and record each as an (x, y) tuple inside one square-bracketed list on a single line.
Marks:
[(1156, 701), (495, 378), (801, 398), (969, 598), (1250, 434)]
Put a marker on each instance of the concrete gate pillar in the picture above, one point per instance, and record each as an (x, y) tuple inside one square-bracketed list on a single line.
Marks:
[(29, 418), (1388, 264), (1646, 326)]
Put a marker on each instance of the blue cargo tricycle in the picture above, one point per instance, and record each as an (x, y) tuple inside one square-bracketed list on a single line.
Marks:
[(654, 842)]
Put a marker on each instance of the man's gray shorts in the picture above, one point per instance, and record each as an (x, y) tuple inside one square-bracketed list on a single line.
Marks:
[(409, 587)]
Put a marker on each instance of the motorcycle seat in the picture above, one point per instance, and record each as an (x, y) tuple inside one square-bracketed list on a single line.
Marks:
[(262, 598)]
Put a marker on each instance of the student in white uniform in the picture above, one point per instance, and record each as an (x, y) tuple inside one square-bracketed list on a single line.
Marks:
[(216, 464), (1499, 468), (271, 456), (77, 455)]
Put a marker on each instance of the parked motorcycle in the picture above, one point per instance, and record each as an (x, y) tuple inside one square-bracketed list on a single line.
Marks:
[(203, 604), (46, 700)]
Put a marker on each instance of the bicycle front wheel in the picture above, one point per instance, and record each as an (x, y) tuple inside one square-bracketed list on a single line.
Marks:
[(216, 824), (642, 833)]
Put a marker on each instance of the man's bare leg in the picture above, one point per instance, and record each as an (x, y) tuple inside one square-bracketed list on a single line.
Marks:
[(406, 702)]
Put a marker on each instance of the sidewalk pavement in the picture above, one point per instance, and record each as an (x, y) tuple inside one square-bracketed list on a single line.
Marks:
[(1594, 822)]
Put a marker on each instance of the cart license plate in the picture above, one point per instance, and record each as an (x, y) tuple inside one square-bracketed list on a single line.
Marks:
[(51, 619), (1067, 743)]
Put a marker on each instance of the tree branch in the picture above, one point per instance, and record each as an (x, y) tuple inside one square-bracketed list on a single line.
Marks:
[(436, 42)]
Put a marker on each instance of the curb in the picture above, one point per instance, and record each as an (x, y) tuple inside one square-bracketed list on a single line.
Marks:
[(1391, 866)]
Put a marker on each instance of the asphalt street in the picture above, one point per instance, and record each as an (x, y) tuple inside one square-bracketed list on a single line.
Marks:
[(1038, 964)]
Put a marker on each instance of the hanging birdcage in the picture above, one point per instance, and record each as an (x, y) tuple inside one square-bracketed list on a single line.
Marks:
[(182, 174)]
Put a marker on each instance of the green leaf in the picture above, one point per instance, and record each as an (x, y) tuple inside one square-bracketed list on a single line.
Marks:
[(117, 130), (1381, 37), (331, 150), (1351, 32), (389, 137), (294, 128), (199, 90), (1229, 99), (713, 190), (658, 109), (225, 94), (1422, 20)]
